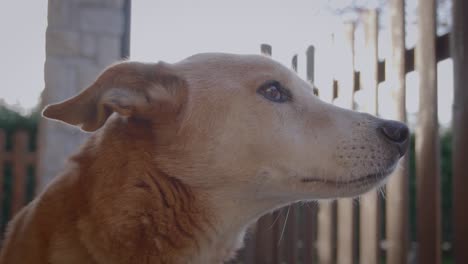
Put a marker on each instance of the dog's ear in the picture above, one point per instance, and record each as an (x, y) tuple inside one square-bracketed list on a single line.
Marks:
[(130, 89)]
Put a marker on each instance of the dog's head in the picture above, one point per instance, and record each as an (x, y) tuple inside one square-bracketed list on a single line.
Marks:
[(245, 125)]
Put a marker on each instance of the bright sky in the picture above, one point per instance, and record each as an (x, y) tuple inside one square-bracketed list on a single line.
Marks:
[(22, 46), (173, 30)]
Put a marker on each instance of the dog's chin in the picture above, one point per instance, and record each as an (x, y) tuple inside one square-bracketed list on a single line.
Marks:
[(355, 186)]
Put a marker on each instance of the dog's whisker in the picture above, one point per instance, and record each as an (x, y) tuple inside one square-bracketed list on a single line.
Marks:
[(276, 219), (284, 226), (381, 191)]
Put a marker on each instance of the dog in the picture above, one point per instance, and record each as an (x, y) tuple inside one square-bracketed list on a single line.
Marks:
[(186, 156)]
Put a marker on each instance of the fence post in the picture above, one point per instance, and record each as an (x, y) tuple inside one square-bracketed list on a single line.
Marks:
[(369, 73), (460, 130), (265, 49), (20, 157), (310, 55), (326, 215), (369, 203), (325, 236), (294, 63), (345, 208), (427, 139), (397, 186)]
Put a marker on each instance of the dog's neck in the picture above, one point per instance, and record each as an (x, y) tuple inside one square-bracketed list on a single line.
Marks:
[(153, 213)]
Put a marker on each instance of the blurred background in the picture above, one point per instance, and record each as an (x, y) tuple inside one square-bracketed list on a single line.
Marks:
[(399, 59)]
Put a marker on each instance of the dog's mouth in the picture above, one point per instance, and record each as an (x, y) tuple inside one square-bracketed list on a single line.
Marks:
[(368, 179)]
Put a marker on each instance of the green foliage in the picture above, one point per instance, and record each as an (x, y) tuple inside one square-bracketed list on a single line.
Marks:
[(11, 121)]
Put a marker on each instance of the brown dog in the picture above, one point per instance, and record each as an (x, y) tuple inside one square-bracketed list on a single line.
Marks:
[(187, 155)]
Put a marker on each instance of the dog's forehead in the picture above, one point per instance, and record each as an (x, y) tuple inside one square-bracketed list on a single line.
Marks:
[(232, 65)]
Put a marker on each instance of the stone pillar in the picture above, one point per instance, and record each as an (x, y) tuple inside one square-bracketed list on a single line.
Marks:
[(82, 38)]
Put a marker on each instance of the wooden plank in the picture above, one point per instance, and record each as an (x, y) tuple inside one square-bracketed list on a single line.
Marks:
[(310, 67), (345, 232), (335, 90), (20, 154), (309, 232), (369, 203), (443, 47), (346, 77), (326, 247), (427, 139), (345, 209), (326, 214), (397, 186), (310, 55), (125, 43), (325, 76), (294, 63), (442, 53), (368, 75), (265, 49), (460, 130)]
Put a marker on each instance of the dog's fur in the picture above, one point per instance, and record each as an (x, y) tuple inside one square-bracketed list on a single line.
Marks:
[(185, 157)]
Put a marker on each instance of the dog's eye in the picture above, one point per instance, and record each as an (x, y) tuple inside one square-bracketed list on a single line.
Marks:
[(274, 92)]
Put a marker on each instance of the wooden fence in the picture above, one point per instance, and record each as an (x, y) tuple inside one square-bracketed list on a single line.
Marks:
[(17, 165), (374, 230)]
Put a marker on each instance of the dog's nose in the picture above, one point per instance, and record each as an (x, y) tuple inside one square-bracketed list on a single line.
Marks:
[(396, 133)]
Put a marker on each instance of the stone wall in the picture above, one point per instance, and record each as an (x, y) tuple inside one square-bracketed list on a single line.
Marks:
[(82, 38)]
